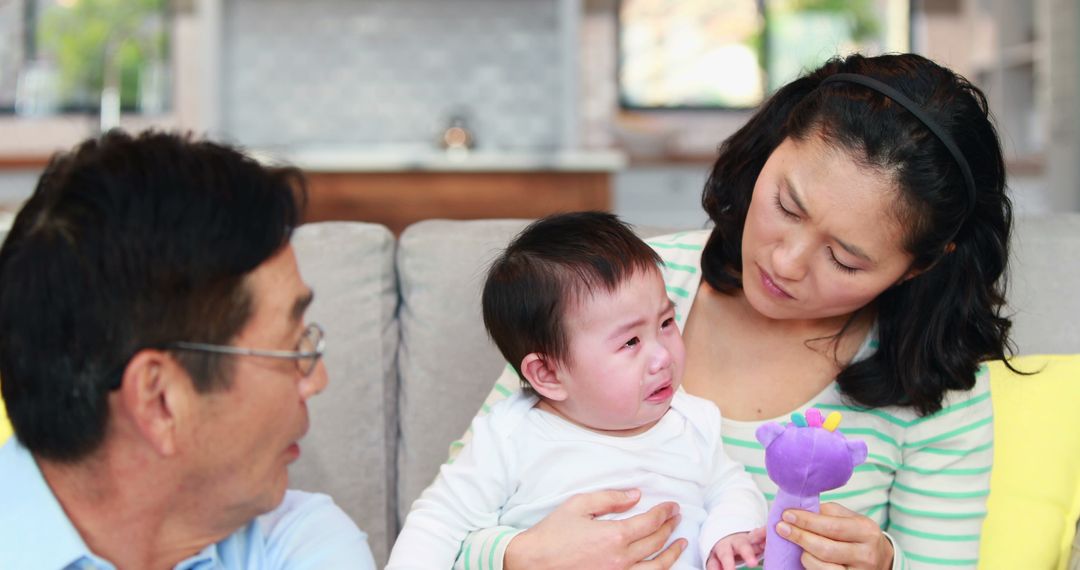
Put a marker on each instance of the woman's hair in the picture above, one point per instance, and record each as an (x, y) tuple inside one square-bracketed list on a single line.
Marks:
[(935, 328)]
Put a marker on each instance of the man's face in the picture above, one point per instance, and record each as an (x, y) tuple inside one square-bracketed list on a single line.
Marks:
[(247, 434)]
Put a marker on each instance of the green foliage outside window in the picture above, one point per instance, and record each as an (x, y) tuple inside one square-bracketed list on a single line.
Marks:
[(99, 43)]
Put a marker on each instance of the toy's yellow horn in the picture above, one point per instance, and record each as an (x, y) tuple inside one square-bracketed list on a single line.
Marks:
[(832, 422)]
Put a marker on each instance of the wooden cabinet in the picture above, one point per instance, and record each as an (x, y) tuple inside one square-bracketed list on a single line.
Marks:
[(397, 199)]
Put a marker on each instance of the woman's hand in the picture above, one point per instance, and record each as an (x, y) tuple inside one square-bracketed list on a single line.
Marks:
[(837, 539), (571, 537)]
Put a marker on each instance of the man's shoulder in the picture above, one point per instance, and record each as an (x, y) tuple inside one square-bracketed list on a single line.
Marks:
[(34, 529), (309, 530)]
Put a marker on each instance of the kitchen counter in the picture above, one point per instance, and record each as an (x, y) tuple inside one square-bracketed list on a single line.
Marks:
[(408, 158), (396, 186)]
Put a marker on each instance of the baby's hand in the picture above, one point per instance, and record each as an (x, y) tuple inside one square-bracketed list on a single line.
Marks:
[(743, 547)]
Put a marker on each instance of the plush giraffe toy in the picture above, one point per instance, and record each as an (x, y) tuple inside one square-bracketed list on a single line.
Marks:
[(804, 458)]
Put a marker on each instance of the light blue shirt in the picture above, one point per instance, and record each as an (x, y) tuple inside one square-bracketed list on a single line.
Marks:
[(307, 531)]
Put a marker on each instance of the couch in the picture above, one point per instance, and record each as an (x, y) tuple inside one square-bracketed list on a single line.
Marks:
[(410, 363)]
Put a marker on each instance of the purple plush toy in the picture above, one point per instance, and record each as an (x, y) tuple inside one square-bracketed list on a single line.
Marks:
[(804, 458)]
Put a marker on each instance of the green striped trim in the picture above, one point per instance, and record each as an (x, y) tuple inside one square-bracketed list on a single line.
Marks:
[(740, 442), (872, 467), (870, 512), (852, 409), (468, 561), (770, 497), (937, 514), (942, 494), (953, 408), (934, 536), (958, 452), (503, 390), (883, 459), (495, 547), (947, 435), (680, 267), (756, 470), (901, 422), (959, 471), (849, 494), (454, 445), (485, 408), (870, 431), (678, 291), (686, 246), (678, 318), (943, 561)]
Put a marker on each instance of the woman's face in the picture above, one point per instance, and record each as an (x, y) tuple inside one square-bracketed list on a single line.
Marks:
[(823, 236)]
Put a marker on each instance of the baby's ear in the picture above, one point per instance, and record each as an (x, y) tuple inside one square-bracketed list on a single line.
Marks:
[(767, 432), (540, 372)]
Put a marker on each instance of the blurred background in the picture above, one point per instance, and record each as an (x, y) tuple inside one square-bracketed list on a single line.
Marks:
[(401, 110)]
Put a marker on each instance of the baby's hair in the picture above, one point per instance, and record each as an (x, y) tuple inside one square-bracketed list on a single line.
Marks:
[(556, 261)]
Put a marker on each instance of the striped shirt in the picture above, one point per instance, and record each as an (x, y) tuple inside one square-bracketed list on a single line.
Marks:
[(925, 480)]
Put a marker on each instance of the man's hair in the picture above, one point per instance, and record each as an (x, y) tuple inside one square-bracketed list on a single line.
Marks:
[(551, 264), (129, 243), (934, 329)]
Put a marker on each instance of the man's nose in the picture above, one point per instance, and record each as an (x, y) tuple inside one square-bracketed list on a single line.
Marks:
[(315, 382)]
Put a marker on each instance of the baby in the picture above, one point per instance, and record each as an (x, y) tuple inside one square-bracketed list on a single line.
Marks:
[(577, 305)]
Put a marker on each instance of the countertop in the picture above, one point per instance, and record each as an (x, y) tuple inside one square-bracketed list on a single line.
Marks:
[(426, 159)]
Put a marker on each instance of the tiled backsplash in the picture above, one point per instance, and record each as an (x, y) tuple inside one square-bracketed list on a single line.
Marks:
[(323, 72)]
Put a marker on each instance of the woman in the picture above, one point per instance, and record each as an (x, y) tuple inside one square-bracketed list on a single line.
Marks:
[(856, 264)]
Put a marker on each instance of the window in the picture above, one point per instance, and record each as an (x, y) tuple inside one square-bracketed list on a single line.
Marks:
[(730, 54), (77, 55)]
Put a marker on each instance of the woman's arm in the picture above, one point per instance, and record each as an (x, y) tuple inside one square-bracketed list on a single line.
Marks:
[(938, 501), (570, 537)]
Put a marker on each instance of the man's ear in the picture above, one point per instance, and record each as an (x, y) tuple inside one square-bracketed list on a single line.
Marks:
[(541, 374), (154, 396)]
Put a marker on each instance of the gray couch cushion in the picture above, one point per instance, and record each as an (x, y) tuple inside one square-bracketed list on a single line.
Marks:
[(446, 362), (1044, 273), (349, 451)]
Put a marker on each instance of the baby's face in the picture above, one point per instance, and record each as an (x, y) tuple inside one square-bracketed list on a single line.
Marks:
[(626, 357)]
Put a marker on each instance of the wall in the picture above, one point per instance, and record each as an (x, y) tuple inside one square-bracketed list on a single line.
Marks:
[(324, 72)]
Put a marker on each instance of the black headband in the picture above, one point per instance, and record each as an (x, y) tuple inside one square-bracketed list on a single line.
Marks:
[(914, 109)]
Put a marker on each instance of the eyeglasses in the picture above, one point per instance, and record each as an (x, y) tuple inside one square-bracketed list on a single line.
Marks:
[(307, 354)]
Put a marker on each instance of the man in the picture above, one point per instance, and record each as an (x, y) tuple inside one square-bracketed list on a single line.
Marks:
[(156, 366)]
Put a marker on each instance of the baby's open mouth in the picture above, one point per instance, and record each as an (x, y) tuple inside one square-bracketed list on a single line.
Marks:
[(660, 394)]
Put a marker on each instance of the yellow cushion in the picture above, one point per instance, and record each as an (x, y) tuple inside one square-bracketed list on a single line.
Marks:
[(1034, 500), (5, 426)]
